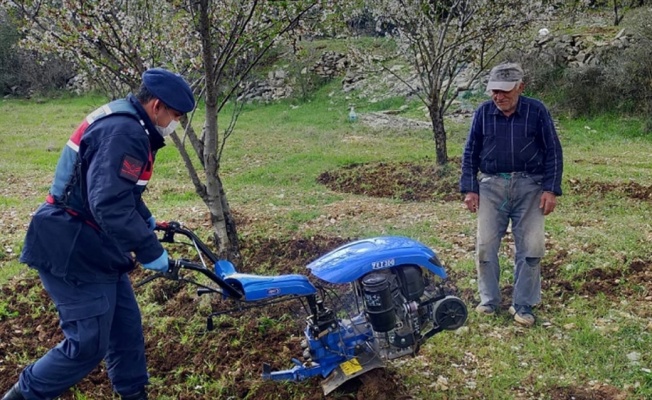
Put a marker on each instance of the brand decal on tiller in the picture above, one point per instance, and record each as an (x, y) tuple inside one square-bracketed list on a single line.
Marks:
[(383, 264)]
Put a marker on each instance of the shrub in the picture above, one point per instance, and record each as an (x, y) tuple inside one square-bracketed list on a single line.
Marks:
[(8, 59), (621, 83), (23, 72)]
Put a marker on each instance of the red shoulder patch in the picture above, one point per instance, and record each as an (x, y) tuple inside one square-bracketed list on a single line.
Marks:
[(131, 168)]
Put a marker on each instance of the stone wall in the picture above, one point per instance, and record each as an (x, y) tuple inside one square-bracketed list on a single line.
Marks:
[(577, 50), (572, 50)]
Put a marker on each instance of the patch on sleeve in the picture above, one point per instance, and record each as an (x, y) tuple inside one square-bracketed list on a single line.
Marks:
[(131, 168)]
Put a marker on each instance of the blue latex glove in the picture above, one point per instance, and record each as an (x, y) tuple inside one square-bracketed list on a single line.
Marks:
[(151, 223), (160, 264)]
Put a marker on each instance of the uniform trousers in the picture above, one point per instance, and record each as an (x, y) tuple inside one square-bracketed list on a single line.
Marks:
[(100, 321)]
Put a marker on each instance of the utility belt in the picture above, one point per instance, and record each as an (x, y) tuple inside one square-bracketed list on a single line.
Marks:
[(51, 200)]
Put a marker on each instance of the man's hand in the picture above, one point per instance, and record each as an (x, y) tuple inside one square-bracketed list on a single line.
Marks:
[(472, 201), (548, 202), (161, 264)]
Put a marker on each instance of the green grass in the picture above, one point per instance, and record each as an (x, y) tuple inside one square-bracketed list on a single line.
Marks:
[(269, 170)]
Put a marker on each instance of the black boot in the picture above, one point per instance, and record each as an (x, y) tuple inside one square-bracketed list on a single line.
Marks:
[(142, 395), (14, 394)]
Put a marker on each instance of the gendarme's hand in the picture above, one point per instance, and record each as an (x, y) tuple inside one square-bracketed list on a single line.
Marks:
[(472, 201), (161, 264)]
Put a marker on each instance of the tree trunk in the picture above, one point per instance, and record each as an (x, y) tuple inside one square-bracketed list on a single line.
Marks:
[(439, 135), (617, 18), (224, 226), (225, 237)]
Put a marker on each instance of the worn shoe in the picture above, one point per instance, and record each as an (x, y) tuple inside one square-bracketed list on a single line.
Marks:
[(523, 315), (13, 394), (486, 309)]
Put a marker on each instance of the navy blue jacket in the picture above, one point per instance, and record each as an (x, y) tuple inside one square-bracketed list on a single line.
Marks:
[(94, 220), (526, 141)]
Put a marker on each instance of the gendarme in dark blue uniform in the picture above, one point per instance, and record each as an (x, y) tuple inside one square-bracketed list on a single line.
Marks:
[(94, 211), (91, 231)]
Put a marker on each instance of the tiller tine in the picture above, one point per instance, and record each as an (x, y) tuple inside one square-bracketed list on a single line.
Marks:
[(350, 369)]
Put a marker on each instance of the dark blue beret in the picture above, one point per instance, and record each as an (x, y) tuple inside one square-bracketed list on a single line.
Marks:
[(170, 88)]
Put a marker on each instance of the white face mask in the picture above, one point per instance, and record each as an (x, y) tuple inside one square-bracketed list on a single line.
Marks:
[(165, 131)]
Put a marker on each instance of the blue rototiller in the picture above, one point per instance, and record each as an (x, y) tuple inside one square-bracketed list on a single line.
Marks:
[(397, 300)]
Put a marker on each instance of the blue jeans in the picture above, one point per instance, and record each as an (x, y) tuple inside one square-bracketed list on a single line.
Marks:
[(505, 197), (99, 322)]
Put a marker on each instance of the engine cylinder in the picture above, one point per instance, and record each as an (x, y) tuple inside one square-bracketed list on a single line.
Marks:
[(378, 302)]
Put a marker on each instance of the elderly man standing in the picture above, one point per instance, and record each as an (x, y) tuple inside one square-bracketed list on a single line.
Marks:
[(91, 231), (511, 172)]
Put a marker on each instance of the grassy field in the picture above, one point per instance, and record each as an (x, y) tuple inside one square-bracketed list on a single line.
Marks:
[(593, 334)]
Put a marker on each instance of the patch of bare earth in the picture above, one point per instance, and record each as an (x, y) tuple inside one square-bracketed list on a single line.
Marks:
[(630, 189), (236, 349), (597, 392), (421, 181)]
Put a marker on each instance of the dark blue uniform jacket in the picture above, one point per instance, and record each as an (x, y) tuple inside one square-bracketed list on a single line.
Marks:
[(94, 220)]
